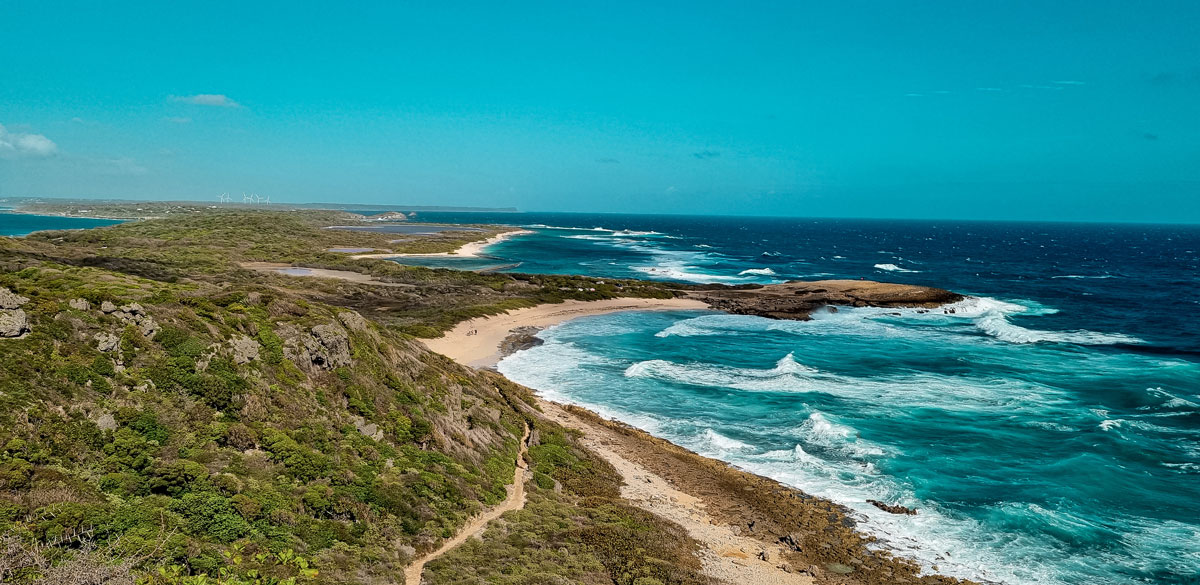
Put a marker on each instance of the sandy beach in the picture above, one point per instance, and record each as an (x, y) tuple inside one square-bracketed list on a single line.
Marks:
[(481, 349), (749, 529), (468, 250)]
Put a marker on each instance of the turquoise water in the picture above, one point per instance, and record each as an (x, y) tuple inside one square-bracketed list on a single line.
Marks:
[(1050, 463), (1048, 431), (23, 224)]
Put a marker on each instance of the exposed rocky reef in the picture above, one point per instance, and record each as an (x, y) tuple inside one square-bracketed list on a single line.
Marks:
[(520, 338), (797, 300)]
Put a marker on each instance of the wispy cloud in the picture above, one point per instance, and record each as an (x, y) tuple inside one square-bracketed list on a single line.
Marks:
[(207, 99), (1070, 82), (20, 144), (706, 154)]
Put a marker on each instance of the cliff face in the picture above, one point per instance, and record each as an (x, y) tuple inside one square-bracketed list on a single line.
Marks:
[(797, 300)]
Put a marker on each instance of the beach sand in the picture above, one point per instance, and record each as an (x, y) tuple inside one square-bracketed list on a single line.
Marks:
[(481, 349), (750, 529), (468, 250)]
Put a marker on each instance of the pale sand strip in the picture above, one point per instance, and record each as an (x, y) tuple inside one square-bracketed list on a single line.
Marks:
[(481, 349), (726, 555), (468, 250)]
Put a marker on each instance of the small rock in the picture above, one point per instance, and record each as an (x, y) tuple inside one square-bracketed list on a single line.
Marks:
[(892, 508), (13, 323), (245, 349), (133, 309), (107, 341), (107, 307), (147, 325), (352, 320), (10, 299), (79, 304)]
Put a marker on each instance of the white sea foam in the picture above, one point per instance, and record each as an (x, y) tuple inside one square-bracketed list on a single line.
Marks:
[(998, 326), (556, 227), (723, 443), (757, 271), (893, 268)]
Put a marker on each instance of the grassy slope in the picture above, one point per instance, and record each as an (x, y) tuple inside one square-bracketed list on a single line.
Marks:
[(169, 452)]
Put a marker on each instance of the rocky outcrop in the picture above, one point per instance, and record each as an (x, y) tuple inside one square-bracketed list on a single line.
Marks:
[(323, 347), (13, 323), (13, 320), (10, 299), (797, 300), (107, 341), (353, 321), (520, 338), (134, 314), (893, 508), (79, 304), (243, 349)]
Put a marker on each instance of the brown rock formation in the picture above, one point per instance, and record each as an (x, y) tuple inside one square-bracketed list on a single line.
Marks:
[(796, 300)]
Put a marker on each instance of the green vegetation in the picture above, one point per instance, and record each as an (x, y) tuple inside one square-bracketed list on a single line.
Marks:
[(574, 528), (174, 418)]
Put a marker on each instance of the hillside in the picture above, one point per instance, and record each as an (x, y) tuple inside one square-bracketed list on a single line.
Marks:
[(168, 416), (162, 408)]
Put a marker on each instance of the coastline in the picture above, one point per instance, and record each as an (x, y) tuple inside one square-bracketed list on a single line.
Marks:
[(468, 250), (481, 349), (749, 528)]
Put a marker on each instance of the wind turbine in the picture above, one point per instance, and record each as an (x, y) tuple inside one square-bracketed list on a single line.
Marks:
[(246, 198)]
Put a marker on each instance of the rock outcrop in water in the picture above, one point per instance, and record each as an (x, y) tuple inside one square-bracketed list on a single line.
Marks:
[(797, 300)]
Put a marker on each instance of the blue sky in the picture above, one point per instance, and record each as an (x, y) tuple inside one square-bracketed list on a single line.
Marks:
[(981, 110)]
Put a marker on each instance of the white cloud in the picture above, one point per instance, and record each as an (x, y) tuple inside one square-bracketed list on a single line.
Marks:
[(14, 144), (207, 99), (1070, 82)]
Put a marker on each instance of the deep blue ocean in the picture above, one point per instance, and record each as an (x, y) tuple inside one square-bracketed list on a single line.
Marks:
[(23, 224), (1048, 431)]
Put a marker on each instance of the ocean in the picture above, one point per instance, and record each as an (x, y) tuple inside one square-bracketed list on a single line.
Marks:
[(23, 224), (1048, 431)]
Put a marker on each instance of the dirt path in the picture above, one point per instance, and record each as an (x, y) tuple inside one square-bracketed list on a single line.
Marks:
[(514, 501), (726, 556), (289, 270)]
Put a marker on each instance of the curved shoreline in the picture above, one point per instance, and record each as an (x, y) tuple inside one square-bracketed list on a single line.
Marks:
[(468, 250), (747, 525), (475, 343)]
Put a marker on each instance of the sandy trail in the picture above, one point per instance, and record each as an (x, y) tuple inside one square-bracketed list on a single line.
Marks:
[(476, 343), (726, 555), (514, 501)]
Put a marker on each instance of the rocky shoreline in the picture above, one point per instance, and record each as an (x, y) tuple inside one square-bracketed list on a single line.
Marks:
[(797, 300)]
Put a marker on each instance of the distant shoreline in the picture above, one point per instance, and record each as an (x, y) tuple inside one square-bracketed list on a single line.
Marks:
[(468, 250)]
